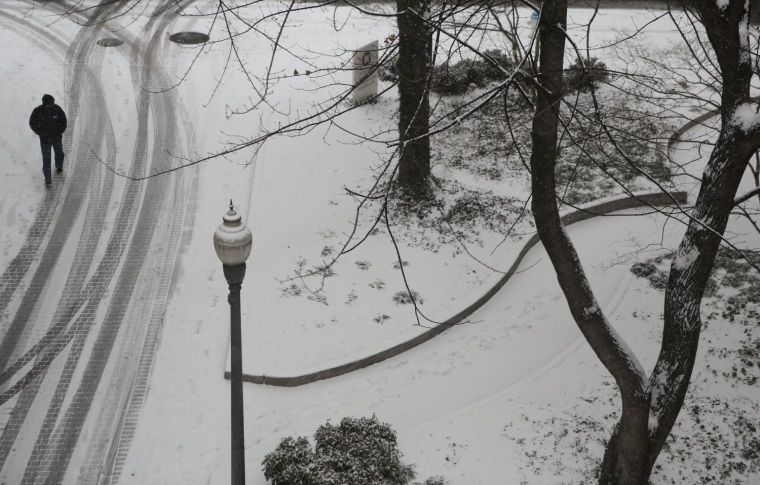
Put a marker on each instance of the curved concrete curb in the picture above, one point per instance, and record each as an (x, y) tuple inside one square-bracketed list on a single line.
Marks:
[(676, 136), (597, 208)]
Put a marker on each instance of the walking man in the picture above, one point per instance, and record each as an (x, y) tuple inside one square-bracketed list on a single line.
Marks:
[(48, 121)]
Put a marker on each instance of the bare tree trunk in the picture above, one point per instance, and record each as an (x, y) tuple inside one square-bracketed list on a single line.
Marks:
[(690, 270), (649, 407), (413, 66), (756, 172), (626, 457)]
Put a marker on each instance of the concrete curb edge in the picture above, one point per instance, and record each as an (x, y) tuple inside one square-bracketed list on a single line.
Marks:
[(598, 208)]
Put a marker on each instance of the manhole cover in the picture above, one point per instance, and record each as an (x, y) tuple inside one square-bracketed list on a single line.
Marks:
[(189, 38), (110, 42)]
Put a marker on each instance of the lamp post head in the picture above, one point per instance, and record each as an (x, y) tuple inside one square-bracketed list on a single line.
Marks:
[(232, 239)]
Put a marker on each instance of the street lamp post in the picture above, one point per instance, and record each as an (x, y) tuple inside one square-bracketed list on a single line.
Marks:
[(232, 242)]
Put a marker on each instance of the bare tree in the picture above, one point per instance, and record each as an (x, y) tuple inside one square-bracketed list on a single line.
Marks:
[(650, 404), (414, 66)]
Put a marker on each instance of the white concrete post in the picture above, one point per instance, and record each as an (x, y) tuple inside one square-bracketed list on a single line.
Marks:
[(365, 80)]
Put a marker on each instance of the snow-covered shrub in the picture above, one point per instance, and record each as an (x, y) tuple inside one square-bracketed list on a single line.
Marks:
[(291, 463), (457, 78), (358, 450), (502, 67), (577, 78)]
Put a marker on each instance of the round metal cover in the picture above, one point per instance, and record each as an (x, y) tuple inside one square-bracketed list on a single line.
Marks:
[(110, 42), (189, 38)]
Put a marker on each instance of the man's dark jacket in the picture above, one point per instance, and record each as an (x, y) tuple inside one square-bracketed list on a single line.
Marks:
[(49, 122)]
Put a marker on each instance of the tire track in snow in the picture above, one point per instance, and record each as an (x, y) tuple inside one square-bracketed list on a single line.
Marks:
[(72, 196), (61, 446), (179, 220), (41, 453), (12, 276), (99, 128), (49, 460), (95, 121)]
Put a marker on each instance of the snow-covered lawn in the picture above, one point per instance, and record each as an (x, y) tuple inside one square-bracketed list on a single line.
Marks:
[(514, 395)]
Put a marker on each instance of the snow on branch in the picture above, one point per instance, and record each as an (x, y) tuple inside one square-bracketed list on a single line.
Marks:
[(747, 196), (745, 117), (722, 5)]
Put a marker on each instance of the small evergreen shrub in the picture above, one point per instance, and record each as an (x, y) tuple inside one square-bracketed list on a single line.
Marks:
[(292, 462), (457, 78), (357, 451), (577, 78), (502, 64)]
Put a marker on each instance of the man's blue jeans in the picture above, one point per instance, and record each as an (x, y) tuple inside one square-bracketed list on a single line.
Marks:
[(58, 149)]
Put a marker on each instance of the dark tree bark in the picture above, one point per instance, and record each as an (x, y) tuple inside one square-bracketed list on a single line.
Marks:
[(413, 67), (738, 140), (629, 454), (650, 405)]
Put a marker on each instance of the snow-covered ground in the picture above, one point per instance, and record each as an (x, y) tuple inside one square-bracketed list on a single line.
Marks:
[(512, 396)]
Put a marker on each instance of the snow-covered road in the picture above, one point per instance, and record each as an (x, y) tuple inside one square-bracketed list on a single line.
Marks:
[(83, 301)]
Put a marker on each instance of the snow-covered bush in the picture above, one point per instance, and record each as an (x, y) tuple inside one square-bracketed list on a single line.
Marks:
[(292, 462), (358, 450), (457, 78), (578, 78)]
